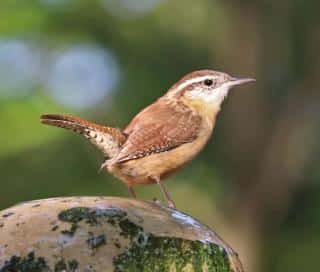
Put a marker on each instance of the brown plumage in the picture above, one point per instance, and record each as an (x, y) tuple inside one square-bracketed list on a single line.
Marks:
[(174, 126), (107, 139), (163, 136)]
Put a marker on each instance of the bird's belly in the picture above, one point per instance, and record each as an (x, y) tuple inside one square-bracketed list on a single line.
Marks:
[(141, 171)]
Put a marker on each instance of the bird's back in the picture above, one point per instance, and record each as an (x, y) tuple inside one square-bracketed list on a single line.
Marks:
[(161, 139)]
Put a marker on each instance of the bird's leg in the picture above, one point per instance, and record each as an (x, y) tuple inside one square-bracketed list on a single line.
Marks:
[(165, 193), (132, 192)]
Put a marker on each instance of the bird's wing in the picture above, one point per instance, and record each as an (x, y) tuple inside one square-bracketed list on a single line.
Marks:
[(107, 139), (159, 128)]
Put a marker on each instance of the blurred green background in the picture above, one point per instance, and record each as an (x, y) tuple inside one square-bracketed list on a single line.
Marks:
[(257, 182)]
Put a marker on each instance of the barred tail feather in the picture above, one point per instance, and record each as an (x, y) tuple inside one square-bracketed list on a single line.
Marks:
[(107, 139)]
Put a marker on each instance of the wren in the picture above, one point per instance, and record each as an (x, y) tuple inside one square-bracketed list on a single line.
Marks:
[(162, 137)]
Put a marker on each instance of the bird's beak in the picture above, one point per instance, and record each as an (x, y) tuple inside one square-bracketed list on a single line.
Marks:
[(239, 81)]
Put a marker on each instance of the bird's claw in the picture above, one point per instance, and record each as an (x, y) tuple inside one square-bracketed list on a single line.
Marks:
[(103, 165), (169, 204)]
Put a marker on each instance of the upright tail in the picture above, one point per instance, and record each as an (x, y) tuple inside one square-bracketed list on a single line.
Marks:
[(107, 139)]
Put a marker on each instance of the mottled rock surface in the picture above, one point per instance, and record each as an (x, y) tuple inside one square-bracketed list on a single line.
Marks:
[(108, 234)]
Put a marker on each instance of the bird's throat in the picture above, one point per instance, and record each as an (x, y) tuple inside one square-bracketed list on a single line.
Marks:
[(208, 111)]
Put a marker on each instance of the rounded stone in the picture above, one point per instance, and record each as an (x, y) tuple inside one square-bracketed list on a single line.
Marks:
[(108, 234)]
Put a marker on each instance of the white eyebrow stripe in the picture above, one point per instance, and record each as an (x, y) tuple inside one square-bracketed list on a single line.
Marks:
[(191, 81)]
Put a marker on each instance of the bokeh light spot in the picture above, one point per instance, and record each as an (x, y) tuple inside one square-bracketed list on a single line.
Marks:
[(19, 68), (82, 76)]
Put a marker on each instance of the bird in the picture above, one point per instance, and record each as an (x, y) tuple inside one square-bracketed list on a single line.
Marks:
[(162, 137)]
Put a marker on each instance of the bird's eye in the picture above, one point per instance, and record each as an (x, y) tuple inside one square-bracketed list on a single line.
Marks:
[(208, 82)]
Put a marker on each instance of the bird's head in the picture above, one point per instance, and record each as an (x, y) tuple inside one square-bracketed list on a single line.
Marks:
[(205, 89)]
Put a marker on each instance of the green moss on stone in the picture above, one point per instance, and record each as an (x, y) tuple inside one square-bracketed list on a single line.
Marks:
[(172, 254), (73, 265), (30, 263), (129, 229), (91, 216), (147, 252), (60, 266), (95, 242), (74, 215), (63, 266), (70, 232)]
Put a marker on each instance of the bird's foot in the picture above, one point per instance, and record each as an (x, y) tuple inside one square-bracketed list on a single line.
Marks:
[(103, 165), (169, 204)]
